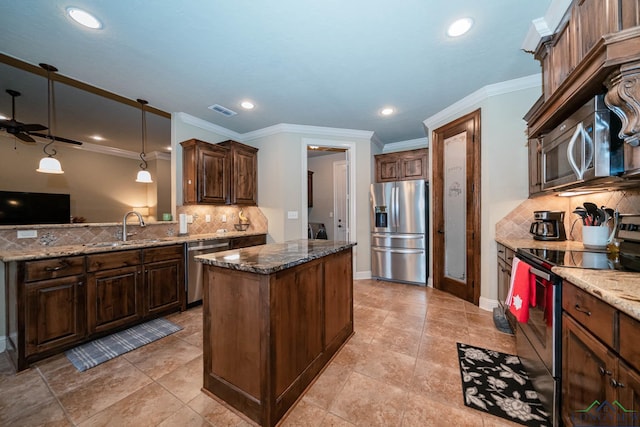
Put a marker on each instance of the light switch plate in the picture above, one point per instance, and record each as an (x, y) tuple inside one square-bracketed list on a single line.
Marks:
[(189, 219), (207, 218), (224, 218), (292, 214), (27, 234)]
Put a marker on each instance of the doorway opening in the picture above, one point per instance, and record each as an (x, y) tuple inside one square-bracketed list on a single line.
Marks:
[(330, 182)]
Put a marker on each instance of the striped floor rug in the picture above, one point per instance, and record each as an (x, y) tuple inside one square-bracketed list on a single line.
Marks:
[(93, 353)]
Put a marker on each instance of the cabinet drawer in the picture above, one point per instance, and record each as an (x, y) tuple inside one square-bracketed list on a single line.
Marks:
[(110, 260), (506, 254), (629, 339), (54, 267), (595, 315), (163, 253)]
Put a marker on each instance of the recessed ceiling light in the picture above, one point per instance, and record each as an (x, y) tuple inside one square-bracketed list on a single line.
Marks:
[(96, 138), (459, 27), (387, 111), (83, 17), (169, 148), (247, 105), (3, 117)]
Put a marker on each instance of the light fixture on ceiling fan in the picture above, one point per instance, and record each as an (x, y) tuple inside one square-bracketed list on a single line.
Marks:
[(143, 174), (50, 164)]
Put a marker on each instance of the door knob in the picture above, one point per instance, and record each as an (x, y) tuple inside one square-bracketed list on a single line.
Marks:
[(440, 231)]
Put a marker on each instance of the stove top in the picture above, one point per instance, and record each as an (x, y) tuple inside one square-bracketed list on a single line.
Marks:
[(627, 259), (598, 260)]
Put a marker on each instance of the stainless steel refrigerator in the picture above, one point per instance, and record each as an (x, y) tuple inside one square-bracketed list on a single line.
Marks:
[(399, 231)]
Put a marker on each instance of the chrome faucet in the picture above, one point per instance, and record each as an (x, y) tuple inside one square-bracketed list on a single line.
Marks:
[(124, 223)]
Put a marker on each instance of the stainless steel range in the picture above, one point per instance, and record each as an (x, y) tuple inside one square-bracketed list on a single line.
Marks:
[(539, 340)]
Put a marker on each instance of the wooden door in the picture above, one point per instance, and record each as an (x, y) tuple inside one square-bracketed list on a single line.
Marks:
[(213, 175), (114, 298), (587, 369), (456, 207), (243, 188), (164, 286), (628, 386), (387, 167), (54, 313)]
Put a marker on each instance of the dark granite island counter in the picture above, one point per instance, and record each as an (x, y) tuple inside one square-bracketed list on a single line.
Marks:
[(274, 315)]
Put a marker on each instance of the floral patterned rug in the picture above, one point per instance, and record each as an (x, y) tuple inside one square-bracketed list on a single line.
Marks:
[(498, 384)]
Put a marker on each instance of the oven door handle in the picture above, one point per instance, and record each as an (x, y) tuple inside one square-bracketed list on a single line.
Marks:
[(540, 273)]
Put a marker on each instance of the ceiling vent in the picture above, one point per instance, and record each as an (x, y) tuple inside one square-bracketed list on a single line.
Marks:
[(222, 110)]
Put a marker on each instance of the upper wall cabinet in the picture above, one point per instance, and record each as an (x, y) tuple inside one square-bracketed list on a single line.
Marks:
[(224, 173), (402, 165), (595, 43), (244, 173)]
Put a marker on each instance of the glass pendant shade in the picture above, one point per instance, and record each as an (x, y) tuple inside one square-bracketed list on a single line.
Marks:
[(50, 165), (144, 176)]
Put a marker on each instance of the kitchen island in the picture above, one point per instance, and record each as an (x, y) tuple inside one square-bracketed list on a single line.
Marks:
[(274, 315)]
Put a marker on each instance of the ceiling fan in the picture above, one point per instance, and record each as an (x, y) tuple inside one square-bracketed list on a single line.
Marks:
[(16, 128)]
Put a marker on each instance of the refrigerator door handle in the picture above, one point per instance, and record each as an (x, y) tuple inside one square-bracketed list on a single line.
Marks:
[(398, 251), (398, 236), (396, 203)]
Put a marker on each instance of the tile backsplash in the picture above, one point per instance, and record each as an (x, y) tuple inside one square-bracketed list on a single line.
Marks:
[(516, 224), (77, 234)]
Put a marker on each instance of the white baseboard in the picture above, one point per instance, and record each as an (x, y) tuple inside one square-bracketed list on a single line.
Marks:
[(488, 303), (362, 275), (3, 344)]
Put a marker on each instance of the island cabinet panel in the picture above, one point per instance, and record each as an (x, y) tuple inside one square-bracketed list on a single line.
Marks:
[(268, 335), (338, 313), (297, 328)]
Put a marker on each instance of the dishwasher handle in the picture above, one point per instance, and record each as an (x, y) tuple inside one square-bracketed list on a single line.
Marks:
[(201, 248)]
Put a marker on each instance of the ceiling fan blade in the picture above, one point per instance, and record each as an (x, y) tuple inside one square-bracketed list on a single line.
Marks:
[(57, 138), (24, 137), (33, 127)]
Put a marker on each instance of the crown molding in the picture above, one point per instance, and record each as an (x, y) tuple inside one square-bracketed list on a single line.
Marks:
[(467, 103), (304, 129), (208, 126), (545, 26), (410, 144), (111, 151)]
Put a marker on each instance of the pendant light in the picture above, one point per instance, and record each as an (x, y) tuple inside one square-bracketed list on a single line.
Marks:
[(143, 174), (50, 164)]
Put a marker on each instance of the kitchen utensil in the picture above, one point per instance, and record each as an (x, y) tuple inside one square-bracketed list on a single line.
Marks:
[(582, 213), (592, 212)]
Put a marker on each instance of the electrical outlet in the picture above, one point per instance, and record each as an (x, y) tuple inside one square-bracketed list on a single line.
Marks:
[(189, 219), (207, 218), (224, 218), (27, 234)]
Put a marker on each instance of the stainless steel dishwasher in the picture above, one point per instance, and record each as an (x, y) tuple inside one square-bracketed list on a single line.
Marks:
[(194, 269)]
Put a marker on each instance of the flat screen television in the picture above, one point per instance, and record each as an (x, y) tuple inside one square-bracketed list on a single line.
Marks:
[(21, 208)]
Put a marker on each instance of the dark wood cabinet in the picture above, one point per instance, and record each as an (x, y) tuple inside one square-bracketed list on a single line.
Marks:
[(402, 165), (535, 166), (244, 170), (206, 172), (223, 173), (54, 314), (163, 279), (57, 303), (599, 360), (267, 336), (113, 298), (505, 261), (587, 366)]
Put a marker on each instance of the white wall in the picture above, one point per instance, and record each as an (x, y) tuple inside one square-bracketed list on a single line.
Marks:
[(504, 161)]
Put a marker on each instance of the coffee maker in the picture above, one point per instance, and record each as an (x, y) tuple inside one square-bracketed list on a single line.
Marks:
[(548, 225)]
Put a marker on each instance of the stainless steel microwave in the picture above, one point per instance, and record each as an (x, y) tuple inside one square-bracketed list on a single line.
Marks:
[(583, 149)]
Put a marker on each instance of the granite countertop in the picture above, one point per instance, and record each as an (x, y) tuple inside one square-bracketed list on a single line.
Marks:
[(90, 248), (273, 257), (618, 288)]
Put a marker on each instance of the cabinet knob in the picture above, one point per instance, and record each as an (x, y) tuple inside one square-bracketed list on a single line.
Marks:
[(604, 372), (615, 384)]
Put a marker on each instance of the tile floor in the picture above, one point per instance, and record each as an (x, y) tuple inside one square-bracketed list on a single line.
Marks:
[(399, 369)]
